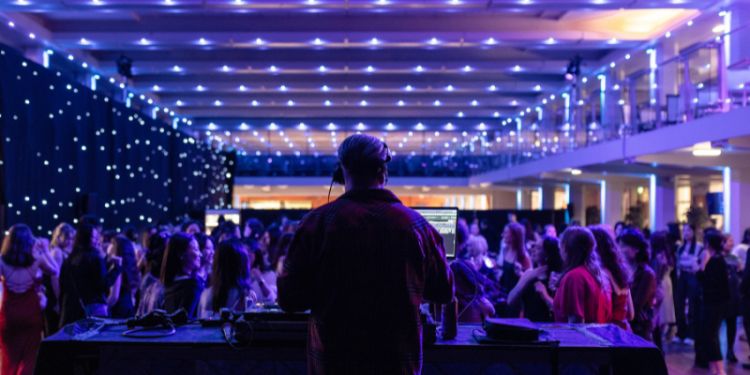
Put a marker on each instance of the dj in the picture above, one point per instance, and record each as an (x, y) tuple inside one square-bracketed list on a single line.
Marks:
[(363, 264)]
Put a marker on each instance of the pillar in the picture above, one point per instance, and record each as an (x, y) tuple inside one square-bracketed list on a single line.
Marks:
[(662, 208), (548, 197), (611, 194), (578, 200), (736, 201)]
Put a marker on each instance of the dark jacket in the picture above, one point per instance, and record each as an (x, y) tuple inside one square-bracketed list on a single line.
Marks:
[(183, 293), (363, 264), (84, 281)]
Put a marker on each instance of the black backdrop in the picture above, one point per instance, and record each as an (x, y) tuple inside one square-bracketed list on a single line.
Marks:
[(67, 150), (491, 222)]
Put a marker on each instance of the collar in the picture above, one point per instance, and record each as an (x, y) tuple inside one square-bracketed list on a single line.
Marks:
[(384, 195)]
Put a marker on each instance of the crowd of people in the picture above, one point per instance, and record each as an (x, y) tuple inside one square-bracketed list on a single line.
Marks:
[(85, 271), (663, 286), (659, 287)]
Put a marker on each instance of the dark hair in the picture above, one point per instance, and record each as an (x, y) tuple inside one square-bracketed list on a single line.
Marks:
[(281, 249), (130, 232), (660, 245), (157, 243), (462, 236), (363, 156), (579, 245), (231, 270), (84, 240), (227, 230), (177, 247), (256, 228), (90, 219), (619, 224), (202, 239), (713, 239), (634, 238), (18, 246), (125, 249), (610, 256), (552, 258)]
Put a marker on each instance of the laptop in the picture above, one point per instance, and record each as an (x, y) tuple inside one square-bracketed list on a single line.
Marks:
[(445, 220)]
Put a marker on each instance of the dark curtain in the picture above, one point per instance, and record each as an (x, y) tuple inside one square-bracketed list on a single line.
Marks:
[(67, 150)]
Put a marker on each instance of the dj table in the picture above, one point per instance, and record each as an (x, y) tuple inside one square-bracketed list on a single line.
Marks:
[(571, 349)]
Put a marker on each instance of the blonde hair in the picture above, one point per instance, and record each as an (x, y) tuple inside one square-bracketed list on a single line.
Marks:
[(62, 230)]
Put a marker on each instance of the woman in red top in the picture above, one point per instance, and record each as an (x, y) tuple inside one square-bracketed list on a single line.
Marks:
[(584, 294), (614, 267)]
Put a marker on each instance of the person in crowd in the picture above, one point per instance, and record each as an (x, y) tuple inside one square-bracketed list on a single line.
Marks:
[(363, 264), (86, 276), (615, 268), (145, 235), (534, 290), (662, 262), (584, 294), (471, 286), (226, 231), (23, 259), (182, 286), (515, 261), (734, 268), (550, 231), (687, 293), (253, 229), (620, 226), (263, 277), (282, 249), (122, 295), (740, 251), (151, 288), (230, 281), (476, 235), (192, 228), (530, 235), (61, 246), (714, 279), (642, 282), (206, 245)]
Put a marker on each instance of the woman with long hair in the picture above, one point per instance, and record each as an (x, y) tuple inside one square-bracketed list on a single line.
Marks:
[(230, 281), (151, 289), (60, 246), (642, 282), (662, 262), (182, 286), (584, 294), (206, 245), (534, 290), (22, 260), (515, 261), (122, 294), (86, 276), (614, 267), (714, 279)]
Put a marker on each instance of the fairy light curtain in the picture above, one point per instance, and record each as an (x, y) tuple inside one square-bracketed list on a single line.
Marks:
[(67, 149)]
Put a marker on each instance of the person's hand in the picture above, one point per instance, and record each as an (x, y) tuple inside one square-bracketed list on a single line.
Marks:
[(256, 274), (540, 288), (41, 246), (554, 280), (115, 260)]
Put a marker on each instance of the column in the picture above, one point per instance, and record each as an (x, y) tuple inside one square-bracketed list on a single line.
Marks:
[(578, 200), (548, 197), (661, 198), (736, 201), (611, 194)]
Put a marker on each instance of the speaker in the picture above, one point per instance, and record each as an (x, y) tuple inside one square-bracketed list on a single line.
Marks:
[(715, 203), (88, 204)]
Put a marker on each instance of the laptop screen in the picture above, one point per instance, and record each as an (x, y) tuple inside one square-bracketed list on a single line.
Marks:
[(445, 220)]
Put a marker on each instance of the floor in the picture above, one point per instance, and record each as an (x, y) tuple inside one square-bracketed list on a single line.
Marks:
[(680, 356)]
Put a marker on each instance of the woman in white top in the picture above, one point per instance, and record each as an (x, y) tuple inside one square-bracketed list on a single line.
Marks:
[(23, 258), (230, 281)]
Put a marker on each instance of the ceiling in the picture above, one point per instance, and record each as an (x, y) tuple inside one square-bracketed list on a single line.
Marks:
[(241, 66)]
